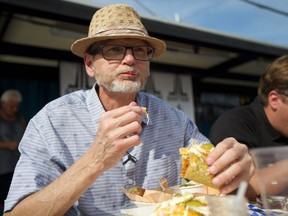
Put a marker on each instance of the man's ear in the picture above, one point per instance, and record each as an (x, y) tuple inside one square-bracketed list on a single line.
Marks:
[(273, 99), (89, 64)]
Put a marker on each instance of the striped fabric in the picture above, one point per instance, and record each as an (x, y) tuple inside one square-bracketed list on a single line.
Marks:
[(64, 130)]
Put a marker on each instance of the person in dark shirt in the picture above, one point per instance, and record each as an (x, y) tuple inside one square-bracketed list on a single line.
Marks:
[(264, 122)]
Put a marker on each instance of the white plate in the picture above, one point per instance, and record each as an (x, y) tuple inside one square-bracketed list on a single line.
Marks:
[(144, 204), (141, 211), (189, 189), (148, 210)]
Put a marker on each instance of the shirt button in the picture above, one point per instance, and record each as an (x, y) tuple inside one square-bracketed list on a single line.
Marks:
[(130, 181)]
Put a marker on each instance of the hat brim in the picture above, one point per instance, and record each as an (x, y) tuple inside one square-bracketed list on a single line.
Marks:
[(79, 47)]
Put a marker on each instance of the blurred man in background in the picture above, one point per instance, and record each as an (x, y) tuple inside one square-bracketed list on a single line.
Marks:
[(12, 126), (264, 122)]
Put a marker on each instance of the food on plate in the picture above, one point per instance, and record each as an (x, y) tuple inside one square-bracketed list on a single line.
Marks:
[(180, 205), (194, 165), (188, 184), (136, 190), (196, 189), (163, 182)]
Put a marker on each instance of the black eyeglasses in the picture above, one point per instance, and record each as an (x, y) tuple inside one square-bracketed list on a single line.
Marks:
[(118, 52)]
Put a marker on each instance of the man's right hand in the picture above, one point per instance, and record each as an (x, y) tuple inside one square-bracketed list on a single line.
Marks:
[(118, 131)]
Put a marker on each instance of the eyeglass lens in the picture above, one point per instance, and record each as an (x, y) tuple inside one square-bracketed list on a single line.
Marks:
[(117, 52)]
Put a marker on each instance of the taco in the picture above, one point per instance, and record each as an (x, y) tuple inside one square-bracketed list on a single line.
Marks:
[(194, 165)]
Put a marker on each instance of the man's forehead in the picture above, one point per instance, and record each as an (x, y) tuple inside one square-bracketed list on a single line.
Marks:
[(12, 102), (125, 41)]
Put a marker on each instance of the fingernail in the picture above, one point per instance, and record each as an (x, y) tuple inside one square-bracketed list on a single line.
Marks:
[(213, 170), (215, 181), (209, 160), (224, 191)]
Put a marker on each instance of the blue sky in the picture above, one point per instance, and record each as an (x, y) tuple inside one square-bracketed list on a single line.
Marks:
[(236, 17)]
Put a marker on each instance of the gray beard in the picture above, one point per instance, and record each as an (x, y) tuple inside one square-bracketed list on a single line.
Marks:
[(120, 86)]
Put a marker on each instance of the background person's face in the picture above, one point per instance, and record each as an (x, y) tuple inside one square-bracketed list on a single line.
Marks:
[(10, 108)]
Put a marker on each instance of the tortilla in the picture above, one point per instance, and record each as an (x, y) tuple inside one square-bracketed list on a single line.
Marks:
[(194, 165)]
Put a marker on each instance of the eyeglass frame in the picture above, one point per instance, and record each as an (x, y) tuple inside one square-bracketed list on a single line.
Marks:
[(96, 49), (282, 93)]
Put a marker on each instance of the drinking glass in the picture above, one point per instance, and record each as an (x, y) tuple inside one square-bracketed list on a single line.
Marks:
[(272, 172)]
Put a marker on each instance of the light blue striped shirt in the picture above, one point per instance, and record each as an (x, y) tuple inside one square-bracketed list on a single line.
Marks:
[(64, 130)]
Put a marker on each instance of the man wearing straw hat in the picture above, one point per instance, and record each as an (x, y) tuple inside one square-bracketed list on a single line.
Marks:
[(81, 149)]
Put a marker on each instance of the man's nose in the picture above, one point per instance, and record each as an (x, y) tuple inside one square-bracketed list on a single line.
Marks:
[(129, 57)]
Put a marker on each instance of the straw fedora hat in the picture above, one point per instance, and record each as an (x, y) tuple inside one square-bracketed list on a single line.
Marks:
[(113, 22)]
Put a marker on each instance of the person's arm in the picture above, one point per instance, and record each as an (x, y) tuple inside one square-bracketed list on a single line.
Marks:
[(273, 178), (60, 195), (9, 145), (118, 131)]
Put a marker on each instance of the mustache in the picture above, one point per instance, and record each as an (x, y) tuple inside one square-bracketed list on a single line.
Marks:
[(126, 69)]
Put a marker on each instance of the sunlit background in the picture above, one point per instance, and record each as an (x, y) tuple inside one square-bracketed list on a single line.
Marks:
[(261, 20)]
